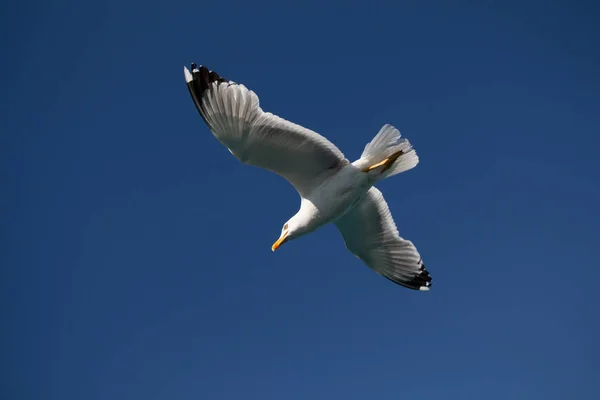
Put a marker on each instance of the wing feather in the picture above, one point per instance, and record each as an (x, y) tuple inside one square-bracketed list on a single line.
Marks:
[(370, 233), (233, 114)]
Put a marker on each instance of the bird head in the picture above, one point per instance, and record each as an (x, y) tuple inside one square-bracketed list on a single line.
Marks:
[(298, 225), (286, 232)]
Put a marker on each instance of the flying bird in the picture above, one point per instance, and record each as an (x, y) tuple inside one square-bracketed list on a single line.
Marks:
[(331, 188)]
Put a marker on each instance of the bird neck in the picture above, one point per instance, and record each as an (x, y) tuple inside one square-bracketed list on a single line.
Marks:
[(307, 217)]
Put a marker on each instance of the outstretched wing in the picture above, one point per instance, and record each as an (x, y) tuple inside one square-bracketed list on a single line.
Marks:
[(232, 113), (371, 234)]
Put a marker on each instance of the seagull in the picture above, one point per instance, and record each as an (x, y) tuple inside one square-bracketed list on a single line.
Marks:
[(331, 188)]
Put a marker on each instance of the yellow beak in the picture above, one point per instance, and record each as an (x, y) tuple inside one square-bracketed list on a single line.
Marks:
[(279, 242)]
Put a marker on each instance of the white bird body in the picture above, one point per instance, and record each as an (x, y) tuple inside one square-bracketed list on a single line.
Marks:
[(332, 190), (334, 197)]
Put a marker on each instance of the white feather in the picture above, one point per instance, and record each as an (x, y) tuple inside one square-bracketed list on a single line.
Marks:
[(386, 143), (370, 233)]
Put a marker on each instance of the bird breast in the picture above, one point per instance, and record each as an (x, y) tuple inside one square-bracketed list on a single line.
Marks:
[(338, 194)]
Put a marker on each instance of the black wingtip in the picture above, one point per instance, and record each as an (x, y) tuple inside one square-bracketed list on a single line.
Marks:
[(421, 281), (202, 77), (199, 80)]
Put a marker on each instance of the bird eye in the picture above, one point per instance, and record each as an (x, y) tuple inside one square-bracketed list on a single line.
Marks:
[(285, 227)]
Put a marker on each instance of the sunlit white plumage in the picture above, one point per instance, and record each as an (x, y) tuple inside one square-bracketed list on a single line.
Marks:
[(331, 188)]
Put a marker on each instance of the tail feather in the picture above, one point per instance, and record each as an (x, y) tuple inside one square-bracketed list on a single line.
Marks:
[(388, 153)]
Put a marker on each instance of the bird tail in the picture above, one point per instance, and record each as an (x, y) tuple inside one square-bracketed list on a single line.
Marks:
[(387, 154)]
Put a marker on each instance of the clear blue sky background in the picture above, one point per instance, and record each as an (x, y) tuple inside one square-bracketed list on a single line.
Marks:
[(136, 259)]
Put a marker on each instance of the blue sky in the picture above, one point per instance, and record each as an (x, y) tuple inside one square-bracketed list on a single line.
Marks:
[(136, 257)]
